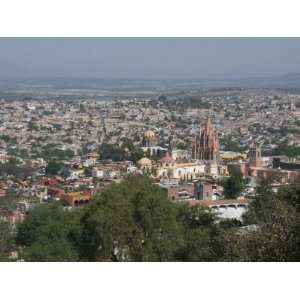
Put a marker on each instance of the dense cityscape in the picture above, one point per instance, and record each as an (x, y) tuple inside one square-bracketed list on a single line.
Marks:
[(149, 149), (217, 150)]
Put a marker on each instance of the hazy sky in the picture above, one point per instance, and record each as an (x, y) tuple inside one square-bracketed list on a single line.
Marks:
[(148, 57)]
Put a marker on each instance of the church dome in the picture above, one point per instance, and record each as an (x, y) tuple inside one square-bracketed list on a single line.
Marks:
[(144, 161), (149, 134)]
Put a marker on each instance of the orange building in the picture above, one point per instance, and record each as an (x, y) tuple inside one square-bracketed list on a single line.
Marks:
[(78, 198)]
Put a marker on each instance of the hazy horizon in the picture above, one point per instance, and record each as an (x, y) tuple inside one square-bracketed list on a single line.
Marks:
[(148, 58)]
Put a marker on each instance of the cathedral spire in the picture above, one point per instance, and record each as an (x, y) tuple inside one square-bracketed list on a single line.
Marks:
[(208, 122), (206, 144)]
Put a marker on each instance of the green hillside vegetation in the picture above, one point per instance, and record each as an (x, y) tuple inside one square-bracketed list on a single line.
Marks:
[(135, 221)]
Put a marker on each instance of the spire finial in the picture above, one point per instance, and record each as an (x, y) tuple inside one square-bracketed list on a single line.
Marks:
[(208, 122)]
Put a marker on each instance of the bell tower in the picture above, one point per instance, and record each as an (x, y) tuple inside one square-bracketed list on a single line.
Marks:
[(206, 144), (255, 155)]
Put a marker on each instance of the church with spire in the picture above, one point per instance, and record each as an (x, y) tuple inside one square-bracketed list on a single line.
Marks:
[(206, 144)]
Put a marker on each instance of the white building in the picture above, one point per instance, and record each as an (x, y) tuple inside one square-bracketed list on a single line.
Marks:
[(184, 171), (98, 173)]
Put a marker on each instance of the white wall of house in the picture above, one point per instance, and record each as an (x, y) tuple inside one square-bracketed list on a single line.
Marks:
[(229, 212), (98, 173)]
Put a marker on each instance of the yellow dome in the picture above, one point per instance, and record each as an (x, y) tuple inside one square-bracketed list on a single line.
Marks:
[(149, 134), (144, 161)]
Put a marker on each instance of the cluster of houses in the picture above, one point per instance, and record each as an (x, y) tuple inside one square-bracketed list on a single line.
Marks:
[(192, 172)]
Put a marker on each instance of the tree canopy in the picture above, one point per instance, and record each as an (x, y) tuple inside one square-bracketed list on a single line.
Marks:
[(6, 240), (116, 153), (233, 185), (53, 167), (135, 221), (130, 221), (49, 233), (13, 168)]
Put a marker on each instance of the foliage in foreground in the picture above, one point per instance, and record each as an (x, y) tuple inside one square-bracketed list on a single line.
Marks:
[(130, 221), (135, 221), (233, 185), (6, 241)]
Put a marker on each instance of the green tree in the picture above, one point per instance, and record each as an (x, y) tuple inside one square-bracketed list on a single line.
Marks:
[(285, 149), (136, 155), (232, 145), (51, 152), (49, 233), (53, 168), (135, 221), (291, 194), (233, 185), (263, 206), (6, 240), (5, 138), (201, 234), (113, 152), (13, 168), (32, 126), (268, 242), (181, 146), (130, 221), (276, 236)]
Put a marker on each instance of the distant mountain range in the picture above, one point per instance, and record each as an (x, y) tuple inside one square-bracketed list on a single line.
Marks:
[(287, 81)]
